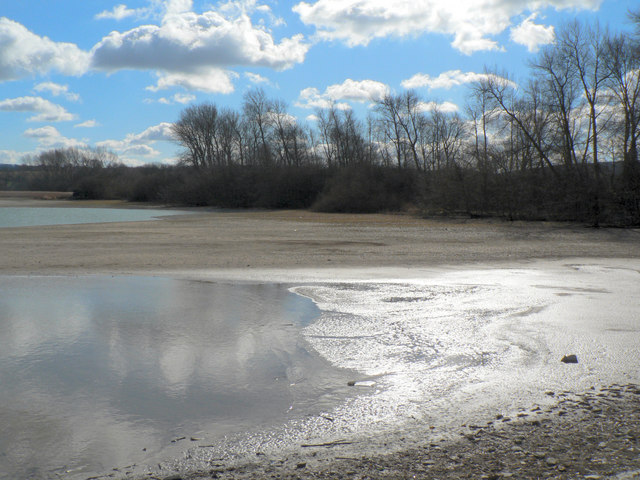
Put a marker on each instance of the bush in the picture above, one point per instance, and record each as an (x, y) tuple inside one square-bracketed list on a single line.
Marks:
[(367, 189)]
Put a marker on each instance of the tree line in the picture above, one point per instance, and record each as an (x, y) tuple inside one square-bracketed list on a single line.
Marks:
[(561, 145)]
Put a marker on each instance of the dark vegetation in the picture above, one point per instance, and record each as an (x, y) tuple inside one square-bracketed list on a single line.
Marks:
[(560, 145)]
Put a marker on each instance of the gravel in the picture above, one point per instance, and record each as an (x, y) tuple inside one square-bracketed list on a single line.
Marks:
[(589, 435)]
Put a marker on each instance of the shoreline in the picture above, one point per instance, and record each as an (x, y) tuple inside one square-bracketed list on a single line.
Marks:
[(246, 241), (299, 246), (587, 435)]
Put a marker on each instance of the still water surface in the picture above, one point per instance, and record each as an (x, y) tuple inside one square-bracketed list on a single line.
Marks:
[(35, 216), (100, 372)]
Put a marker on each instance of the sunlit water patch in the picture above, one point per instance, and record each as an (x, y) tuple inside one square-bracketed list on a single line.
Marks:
[(100, 372), (36, 216), (459, 347)]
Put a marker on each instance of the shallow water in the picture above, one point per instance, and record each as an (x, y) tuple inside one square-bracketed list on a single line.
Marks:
[(441, 348), (104, 372), (446, 348), (37, 216), (459, 345)]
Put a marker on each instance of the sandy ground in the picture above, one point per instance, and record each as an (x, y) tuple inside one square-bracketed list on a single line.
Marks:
[(249, 240), (596, 435)]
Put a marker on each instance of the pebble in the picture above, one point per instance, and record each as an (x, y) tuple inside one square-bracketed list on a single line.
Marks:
[(578, 444)]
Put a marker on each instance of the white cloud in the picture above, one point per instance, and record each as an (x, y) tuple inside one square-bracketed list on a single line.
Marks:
[(88, 124), (156, 133), (156, 8), (50, 137), (210, 80), (23, 53), (46, 110), (141, 151), (194, 51), (312, 118), (532, 35), (256, 78), (312, 98), (119, 12), (470, 22), (174, 7), (446, 80), (445, 107), (139, 144), (56, 90), (358, 91), (10, 156), (350, 90), (184, 98)]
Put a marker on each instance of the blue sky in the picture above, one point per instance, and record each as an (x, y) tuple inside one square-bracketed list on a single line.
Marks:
[(115, 74)]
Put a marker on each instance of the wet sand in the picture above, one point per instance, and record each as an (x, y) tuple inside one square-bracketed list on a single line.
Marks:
[(297, 244)]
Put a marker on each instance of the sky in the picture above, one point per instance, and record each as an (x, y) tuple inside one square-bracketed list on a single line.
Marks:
[(107, 74)]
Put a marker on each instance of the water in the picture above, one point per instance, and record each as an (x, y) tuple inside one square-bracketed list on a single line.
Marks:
[(100, 368), (446, 348), (104, 372), (455, 347), (36, 216)]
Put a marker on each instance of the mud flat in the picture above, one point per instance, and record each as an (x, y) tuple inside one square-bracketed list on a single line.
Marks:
[(247, 240)]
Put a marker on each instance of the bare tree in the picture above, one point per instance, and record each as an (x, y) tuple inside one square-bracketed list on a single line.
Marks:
[(524, 112), (623, 79), (195, 131), (256, 108)]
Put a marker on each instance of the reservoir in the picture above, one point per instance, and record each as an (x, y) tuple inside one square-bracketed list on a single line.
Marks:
[(34, 216)]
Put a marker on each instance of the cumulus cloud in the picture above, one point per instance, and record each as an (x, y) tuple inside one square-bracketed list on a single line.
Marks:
[(57, 90), (194, 50), (87, 124), (46, 111), (470, 22), (119, 12), (50, 137), (182, 98), (139, 144), (256, 78), (446, 80), (211, 80), (445, 107), (156, 8), (532, 35), (358, 91), (23, 53), (10, 156), (140, 151), (350, 90)]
